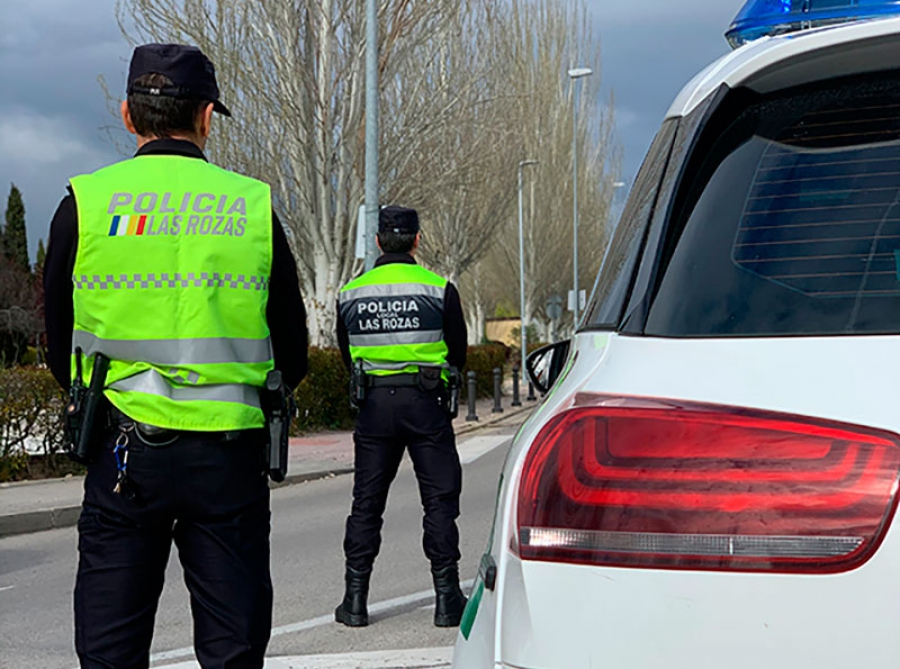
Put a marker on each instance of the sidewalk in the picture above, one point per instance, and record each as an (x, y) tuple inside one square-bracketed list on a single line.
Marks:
[(33, 506)]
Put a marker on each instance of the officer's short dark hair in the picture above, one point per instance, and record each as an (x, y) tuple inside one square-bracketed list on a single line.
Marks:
[(396, 242), (162, 115)]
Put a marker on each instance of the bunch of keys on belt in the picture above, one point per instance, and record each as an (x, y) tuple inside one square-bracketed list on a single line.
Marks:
[(124, 485)]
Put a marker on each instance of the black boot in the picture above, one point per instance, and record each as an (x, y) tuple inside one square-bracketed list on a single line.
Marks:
[(449, 601), (352, 611)]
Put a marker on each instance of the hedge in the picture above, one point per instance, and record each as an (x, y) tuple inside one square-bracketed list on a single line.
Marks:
[(31, 407), (482, 360), (323, 397)]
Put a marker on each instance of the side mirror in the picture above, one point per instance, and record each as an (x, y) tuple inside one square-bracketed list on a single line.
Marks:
[(546, 364)]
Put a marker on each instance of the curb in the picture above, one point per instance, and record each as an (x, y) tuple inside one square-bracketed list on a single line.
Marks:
[(38, 521), (67, 516), (292, 479), (29, 522), (472, 426)]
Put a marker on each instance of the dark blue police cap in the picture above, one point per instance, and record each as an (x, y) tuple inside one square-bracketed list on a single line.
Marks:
[(396, 219), (192, 73)]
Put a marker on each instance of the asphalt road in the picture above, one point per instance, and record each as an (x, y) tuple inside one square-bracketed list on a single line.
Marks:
[(37, 574)]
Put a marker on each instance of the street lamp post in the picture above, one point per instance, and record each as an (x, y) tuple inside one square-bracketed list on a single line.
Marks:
[(522, 269), (371, 167), (575, 74)]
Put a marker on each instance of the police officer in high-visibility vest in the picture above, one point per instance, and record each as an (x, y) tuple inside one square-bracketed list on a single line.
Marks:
[(179, 273), (402, 333)]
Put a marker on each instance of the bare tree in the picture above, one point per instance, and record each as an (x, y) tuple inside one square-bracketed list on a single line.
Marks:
[(460, 171), (544, 38), (292, 72), (468, 89), (20, 313)]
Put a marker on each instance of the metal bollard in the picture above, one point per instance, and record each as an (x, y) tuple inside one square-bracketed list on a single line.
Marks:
[(472, 415), (497, 408), (517, 402), (531, 396)]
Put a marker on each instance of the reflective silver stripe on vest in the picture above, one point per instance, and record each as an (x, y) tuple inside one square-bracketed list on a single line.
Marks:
[(201, 351), (392, 290), (170, 280), (152, 382), (397, 338), (397, 366)]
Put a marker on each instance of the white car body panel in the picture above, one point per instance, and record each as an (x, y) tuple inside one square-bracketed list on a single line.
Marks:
[(544, 615), (641, 618), (637, 618), (603, 617)]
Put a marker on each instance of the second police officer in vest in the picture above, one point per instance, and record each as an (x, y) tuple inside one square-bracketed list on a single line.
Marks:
[(401, 329), (179, 273)]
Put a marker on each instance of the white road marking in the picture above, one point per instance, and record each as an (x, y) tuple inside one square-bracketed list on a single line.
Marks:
[(7, 587), (387, 605), (474, 447), (417, 658)]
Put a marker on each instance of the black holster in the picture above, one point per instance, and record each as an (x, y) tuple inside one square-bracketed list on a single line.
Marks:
[(432, 378), (453, 386), (85, 412), (357, 384), (279, 408)]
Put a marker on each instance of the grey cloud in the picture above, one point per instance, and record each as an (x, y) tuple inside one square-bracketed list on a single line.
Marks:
[(53, 109), (51, 52), (650, 50), (649, 12)]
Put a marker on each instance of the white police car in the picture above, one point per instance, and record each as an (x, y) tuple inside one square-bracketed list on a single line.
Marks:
[(712, 479)]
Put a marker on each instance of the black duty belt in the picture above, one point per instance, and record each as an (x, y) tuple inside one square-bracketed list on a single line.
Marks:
[(392, 381), (157, 436)]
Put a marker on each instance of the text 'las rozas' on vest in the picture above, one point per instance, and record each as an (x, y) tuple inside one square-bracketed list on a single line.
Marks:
[(388, 315), (151, 213)]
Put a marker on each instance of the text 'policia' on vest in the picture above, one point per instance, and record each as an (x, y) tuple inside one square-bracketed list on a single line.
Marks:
[(177, 213), (157, 270)]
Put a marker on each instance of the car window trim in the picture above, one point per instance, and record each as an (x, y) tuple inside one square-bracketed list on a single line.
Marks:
[(616, 322)]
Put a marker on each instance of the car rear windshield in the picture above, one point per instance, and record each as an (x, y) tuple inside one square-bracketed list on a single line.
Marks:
[(795, 226)]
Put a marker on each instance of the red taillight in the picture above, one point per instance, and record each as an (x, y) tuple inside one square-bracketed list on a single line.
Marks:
[(644, 483)]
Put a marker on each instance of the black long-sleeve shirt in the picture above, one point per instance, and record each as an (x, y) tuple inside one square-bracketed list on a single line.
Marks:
[(455, 334), (285, 312)]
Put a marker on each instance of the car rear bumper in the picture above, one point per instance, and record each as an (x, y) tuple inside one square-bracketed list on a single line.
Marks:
[(553, 616)]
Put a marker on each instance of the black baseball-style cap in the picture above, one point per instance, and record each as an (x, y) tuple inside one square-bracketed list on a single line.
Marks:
[(192, 73), (401, 220)]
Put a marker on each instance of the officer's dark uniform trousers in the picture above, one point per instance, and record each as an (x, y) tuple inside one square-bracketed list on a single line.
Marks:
[(390, 420), (206, 491)]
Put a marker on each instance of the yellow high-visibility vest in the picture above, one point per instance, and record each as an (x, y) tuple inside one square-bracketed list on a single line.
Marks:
[(394, 315), (171, 282)]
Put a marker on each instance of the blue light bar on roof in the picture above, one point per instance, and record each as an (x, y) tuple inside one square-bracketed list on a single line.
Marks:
[(759, 18)]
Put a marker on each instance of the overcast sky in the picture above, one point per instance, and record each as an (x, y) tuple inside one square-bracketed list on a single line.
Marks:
[(53, 111), (650, 50)]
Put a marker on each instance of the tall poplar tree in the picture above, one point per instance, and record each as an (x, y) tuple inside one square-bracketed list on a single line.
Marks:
[(15, 236), (41, 254)]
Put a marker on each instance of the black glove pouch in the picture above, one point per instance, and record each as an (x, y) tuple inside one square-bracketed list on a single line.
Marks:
[(429, 378)]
